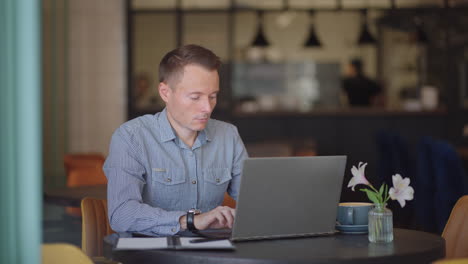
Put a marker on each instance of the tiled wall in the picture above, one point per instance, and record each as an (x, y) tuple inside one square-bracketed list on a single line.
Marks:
[(97, 73)]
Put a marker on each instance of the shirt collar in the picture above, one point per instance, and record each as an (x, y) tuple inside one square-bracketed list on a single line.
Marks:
[(167, 132), (165, 128), (204, 135)]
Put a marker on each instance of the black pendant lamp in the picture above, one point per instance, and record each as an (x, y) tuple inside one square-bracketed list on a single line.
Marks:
[(260, 40), (312, 40), (421, 36), (365, 37)]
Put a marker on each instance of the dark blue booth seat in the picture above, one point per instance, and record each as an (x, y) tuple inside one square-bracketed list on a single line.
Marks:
[(394, 157), (441, 181)]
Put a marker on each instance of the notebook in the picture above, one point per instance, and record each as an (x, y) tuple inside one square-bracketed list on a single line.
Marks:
[(287, 197), (172, 242)]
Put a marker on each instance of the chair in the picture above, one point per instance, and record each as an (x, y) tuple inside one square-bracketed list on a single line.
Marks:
[(78, 160), (456, 230), (229, 201), (450, 181), (83, 170), (425, 186), (95, 226), (304, 147), (59, 253), (86, 176), (441, 181), (394, 157)]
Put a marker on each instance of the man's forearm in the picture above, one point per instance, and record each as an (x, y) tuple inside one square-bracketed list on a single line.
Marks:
[(133, 216)]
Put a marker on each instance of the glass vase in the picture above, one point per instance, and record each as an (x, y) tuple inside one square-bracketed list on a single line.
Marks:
[(380, 224)]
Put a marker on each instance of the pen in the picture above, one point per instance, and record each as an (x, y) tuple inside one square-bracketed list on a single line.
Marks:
[(207, 239)]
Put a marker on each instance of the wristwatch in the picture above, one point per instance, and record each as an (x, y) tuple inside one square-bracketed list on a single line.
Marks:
[(190, 219)]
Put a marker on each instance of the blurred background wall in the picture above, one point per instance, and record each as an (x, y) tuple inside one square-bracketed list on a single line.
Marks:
[(84, 77), (94, 51)]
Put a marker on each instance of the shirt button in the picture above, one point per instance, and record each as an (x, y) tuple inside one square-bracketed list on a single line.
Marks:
[(194, 182), (173, 230), (218, 180), (168, 180), (191, 154)]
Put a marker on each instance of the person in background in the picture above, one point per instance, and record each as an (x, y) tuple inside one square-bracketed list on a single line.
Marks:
[(145, 97), (169, 171), (359, 89)]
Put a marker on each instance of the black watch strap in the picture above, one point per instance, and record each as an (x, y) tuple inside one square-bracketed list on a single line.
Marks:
[(190, 221)]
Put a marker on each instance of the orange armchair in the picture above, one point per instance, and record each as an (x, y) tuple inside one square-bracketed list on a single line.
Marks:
[(80, 160), (229, 201), (83, 170), (456, 230), (95, 226)]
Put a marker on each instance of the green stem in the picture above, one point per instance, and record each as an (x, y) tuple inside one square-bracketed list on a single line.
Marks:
[(387, 196), (372, 187), (376, 192)]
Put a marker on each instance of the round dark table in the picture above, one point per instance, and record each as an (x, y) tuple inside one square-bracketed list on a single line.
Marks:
[(409, 246)]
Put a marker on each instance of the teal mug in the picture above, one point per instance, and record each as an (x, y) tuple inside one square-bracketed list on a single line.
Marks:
[(353, 213)]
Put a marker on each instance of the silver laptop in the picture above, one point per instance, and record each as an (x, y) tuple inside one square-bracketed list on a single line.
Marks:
[(288, 197)]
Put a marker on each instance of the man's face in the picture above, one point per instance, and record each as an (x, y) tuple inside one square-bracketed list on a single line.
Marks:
[(191, 100)]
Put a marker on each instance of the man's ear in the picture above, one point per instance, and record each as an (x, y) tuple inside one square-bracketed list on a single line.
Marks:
[(164, 91)]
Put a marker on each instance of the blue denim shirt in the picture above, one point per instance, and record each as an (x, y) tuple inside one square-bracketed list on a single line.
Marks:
[(154, 178)]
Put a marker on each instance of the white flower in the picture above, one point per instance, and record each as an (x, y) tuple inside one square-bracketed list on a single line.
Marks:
[(358, 175), (401, 190)]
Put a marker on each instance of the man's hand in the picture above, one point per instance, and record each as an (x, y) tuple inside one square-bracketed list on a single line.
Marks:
[(220, 217)]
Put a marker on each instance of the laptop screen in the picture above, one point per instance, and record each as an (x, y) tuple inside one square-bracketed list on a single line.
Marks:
[(288, 196)]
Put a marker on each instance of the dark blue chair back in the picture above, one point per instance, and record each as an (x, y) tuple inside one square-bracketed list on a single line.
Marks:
[(424, 186), (394, 158), (441, 182), (450, 181)]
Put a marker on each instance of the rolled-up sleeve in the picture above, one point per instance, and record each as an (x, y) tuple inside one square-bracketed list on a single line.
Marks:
[(126, 179)]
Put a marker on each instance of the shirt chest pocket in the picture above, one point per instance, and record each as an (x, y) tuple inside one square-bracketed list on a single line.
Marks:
[(172, 176), (217, 176)]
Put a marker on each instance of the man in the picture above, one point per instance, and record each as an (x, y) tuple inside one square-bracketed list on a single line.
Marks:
[(163, 168), (360, 90)]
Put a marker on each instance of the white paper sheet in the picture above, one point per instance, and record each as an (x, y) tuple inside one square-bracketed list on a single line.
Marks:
[(135, 243), (217, 244), (142, 243)]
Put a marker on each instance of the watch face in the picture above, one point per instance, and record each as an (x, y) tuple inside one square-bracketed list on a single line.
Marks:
[(195, 211)]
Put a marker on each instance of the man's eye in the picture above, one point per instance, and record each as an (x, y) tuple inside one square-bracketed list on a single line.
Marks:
[(194, 98), (213, 97)]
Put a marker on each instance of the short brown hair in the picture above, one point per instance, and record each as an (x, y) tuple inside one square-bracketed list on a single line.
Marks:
[(171, 68)]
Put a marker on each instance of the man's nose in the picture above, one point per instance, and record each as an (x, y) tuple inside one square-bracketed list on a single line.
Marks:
[(207, 106)]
